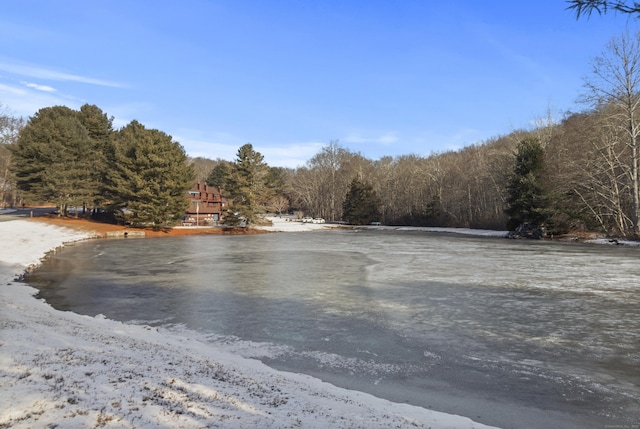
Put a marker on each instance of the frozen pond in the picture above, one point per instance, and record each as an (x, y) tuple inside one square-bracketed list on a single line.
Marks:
[(509, 333)]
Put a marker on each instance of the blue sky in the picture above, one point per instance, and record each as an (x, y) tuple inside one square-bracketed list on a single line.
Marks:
[(382, 77)]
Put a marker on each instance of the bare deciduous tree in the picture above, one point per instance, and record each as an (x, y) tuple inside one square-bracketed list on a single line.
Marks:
[(9, 129), (615, 83), (202, 168), (279, 204)]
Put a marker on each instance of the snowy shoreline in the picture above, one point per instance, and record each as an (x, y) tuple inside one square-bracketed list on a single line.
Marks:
[(68, 370)]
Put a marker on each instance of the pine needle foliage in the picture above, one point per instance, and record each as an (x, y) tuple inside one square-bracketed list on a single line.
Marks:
[(528, 201), (246, 186), (361, 205), (148, 177), (54, 159)]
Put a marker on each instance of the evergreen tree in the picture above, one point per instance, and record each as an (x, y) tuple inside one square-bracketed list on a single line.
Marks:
[(149, 176), (528, 202), (52, 159), (277, 181), (100, 129), (97, 123), (361, 205), (219, 174), (246, 186)]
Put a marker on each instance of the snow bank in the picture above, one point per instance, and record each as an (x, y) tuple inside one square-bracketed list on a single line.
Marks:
[(285, 224), (463, 231), (60, 369)]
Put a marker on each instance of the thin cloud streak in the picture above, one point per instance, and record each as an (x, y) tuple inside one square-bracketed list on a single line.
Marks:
[(8, 89), (44, 73), (26, 100), (225, 146), (385, 138), (290, 155), (44, 88)]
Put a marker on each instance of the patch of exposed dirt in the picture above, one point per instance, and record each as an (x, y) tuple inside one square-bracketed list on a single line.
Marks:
[(100, 229)]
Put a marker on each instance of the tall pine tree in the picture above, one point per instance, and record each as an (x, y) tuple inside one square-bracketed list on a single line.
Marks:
[(53, 159), (100, 129), (246, 186), (148, 177), (527, 199)]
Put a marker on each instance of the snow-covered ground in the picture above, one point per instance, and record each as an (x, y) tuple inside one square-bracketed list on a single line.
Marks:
[(286, 224), (60, 369), (289, 224), (463, 231)]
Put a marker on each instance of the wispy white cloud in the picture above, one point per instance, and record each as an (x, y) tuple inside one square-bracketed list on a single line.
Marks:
[(39, 87), (25, 102), (385, 138), (225, 146), (39, 72), (27, 98), (11, 90), (290, 155), (211, 150), (451, 140), (213, 146)]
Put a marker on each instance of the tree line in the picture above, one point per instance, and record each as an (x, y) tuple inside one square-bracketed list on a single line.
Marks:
[(582, 172), (75, 159)]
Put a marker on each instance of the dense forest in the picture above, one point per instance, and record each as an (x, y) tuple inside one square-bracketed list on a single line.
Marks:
[(577, 173)]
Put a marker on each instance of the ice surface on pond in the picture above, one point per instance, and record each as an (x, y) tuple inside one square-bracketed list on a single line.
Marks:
[(61, 369), (547, 329)]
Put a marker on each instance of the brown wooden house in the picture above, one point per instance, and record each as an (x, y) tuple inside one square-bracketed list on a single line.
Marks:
[(207, 206)]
